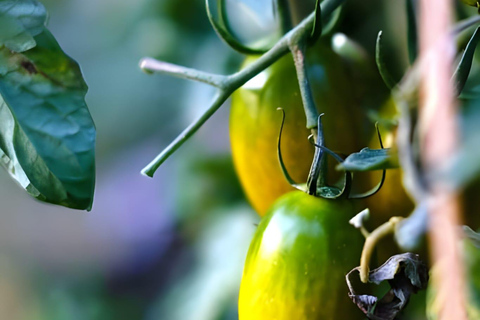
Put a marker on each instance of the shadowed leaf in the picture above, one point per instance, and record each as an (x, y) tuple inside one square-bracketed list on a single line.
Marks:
[(406, 275), (47, 136), (370, 159)]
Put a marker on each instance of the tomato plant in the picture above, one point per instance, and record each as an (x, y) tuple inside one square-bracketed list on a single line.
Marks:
[(255, 122), (297, 261)]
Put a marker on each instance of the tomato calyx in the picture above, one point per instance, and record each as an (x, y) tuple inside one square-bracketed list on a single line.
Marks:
[(316, 181)]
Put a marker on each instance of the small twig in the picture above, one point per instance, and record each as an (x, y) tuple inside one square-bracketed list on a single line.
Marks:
[(153, 65), (228, 84), (218, 100)]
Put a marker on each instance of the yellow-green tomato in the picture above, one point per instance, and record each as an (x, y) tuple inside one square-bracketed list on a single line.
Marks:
[(297, 261), (392, 199), (473, 3), (255, 122)]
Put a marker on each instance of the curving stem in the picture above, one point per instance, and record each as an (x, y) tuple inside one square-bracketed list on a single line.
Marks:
[(232, 82), (370, 243), (318, 170)]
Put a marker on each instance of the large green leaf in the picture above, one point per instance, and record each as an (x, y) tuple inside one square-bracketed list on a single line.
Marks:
[(20, 22), (46, 132)]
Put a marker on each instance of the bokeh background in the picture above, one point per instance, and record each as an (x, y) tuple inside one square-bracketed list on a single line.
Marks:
[(168, 248)]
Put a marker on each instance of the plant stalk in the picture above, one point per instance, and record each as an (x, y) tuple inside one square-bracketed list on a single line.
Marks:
[(438, 140), (232, 82)]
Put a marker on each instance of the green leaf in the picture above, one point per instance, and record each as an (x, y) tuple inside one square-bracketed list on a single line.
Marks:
[(412, 31), (317, 22), (464, 166), (47, 136), (20, 22), (370, 159), (465, 65), (471, 235), (410, 232), (381, 65)]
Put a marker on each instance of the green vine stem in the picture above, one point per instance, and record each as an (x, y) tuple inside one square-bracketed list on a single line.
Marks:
[(370, 243), (150, 64), (298, 47), (227, 84)]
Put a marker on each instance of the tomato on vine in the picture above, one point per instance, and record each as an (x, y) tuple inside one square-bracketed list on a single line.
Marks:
[(297, 261)]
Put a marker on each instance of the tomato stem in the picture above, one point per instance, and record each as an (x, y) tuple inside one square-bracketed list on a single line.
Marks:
[(298, 47), (318, 170), (152, 65), (228, 84), (370, 243)]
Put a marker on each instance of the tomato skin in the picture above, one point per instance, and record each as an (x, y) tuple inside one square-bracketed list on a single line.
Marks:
[(473, 3), (297, 261), (255, 122), (392, 199)]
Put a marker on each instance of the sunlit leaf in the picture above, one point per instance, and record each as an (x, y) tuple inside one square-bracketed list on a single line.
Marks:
[(47, 136)]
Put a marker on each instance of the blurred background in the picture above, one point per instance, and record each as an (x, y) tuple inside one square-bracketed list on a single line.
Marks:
[(169, 248)]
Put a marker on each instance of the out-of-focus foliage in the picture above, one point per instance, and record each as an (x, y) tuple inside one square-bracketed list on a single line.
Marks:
[(169, 248)]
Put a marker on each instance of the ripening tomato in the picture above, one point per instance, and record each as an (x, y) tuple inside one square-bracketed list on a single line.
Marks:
[(255, 122), (298, 259), (392, 199), (473, 3)]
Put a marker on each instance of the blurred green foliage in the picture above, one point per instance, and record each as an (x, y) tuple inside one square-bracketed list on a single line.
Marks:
[(170, 248)]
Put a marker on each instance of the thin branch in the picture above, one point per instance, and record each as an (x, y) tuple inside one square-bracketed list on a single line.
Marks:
[(153, 65), (218, 100), (370, 243), (228, 84)]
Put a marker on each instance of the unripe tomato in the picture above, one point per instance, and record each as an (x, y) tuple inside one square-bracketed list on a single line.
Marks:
[(255, 122), (473, 3), (392, 199), (298, 259)]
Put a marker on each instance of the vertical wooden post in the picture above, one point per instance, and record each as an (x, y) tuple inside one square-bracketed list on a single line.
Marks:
[(439, 140)]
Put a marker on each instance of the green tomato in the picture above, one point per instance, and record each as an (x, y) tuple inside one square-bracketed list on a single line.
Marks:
[(298, 259), (392, 199), (255, 122), (473, 3)]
